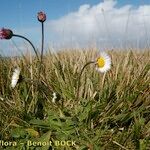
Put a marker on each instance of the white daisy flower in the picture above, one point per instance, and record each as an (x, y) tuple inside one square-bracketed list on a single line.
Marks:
[(103, 63), (15, 77), (54, 97)]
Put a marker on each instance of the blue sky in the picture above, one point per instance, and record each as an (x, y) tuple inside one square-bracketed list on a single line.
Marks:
[(20, 16), (18, 13)]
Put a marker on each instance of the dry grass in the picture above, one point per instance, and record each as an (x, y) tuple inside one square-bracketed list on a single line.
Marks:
[(112, 111)]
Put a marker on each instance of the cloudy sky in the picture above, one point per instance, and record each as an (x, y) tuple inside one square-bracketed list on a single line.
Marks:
[(105, 24)]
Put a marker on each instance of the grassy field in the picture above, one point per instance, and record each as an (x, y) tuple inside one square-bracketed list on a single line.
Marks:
[(112, 111)]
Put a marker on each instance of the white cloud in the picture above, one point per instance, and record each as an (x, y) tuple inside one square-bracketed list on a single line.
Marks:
[(105, 24)]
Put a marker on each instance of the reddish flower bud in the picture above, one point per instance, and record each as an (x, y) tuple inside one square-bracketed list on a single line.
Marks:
[(6, 34), (41, 16)]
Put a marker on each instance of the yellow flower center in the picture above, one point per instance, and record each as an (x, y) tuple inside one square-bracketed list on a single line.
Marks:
[(100, 62)]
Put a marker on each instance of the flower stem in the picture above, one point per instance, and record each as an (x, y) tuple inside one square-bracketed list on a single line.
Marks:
[(42, 48), (29, 42), (79, 78), (40, 107)]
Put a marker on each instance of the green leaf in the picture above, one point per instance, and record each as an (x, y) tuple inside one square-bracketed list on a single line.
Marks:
[(39, 122), (45, 138), (18, 133)]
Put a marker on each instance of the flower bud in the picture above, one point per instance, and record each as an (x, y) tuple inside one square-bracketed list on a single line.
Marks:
[(6, 34), (41, 16)]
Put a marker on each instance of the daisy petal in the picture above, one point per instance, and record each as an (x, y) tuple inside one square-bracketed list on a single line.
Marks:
[(15, 77), (103, 63)]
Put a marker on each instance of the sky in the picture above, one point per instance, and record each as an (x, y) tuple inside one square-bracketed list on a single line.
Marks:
[(104, 24)]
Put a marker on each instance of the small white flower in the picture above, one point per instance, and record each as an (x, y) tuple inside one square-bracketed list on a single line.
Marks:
[(54, 97), (121, 129), (103, 63), (15, 77)]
